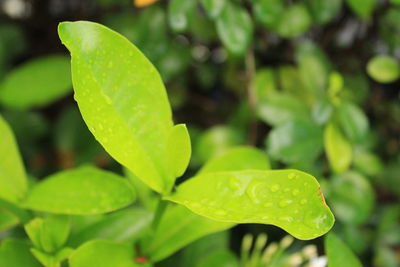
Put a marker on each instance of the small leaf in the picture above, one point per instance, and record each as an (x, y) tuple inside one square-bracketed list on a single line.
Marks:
[(295, 141), (269, 12), (85, 190), (362, 8), (179, 150), (323, 11), (289, 199), (179, 227), (178, 14), (37, 83), (353, 121), (213, 7), (13, 183), (102, 253), (383, 69), (7, 219), (339, 254), (236, 159), (294, 21), (235, 28), (16, 253), (337, 148), (121, 97)]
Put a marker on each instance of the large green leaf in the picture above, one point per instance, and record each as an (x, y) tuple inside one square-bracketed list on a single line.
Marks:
[(102, 253), (16, 253), (179, 227), (121, 97), (238, 158), (339, 254), (13, 183), (295, 141), (85, 190), (235, 28), (289, 199), (37, 83), (338, 149)]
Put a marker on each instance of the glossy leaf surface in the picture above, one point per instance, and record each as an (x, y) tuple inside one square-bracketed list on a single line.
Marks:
[(85, 190), (339, 254), (179, 227), (121, 97), (289, 199), (102, 253), (337, 148), (13, 184), (37, 83)]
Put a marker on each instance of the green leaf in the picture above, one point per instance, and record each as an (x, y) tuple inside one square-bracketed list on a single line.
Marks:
[(362, 8), (37, 83), (50, 233), (222, 258), (123, 226), (339, 254), (383, 69), (213, 7), (353, 121), (235, 28), (13, 183), (337, 148), (179, 150), (295, 141), (236, 159), (294, 21), (121, 97), (268, 12), (352, 197), (7, 219), (102, 253), (289, 199), (16, 253), (52, 260), (85, 190), (264, 84), (178, 12), (323, 11), (179, 227)]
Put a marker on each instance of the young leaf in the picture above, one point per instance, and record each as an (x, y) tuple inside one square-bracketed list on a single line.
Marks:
[(16, 253), (85, 190), (179, 227), (289, 199), (235, 28), (179, 150), (121, 97), (13, 184), (337, 148), (7, 219), (236, 159), (102, 253), (339, 254), (383, 69), (37, 83), (362, 8), (353, 121)]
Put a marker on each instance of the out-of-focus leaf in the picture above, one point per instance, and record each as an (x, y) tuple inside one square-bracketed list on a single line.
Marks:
[(362, 8), (235, 28), (121, 97), (85, 190), (13, 183), (294, 21), (16, 253), (264, 84), (367, 162), (179, 227), (102, 253), (383, 69), (295, 141), (339, 255), (235, 159), (213, 7), (337, 148), (37, 83), (268, 12), (289, 199), (122, 226), (7, 219), (222, 258), (352, 197), (178, 12), (322, 111), (323, 11), (353, 121)]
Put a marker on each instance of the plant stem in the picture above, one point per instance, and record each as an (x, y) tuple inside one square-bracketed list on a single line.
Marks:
[(161, 206), (251, 94)]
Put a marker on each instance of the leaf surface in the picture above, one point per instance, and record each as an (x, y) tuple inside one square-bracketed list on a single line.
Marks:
[(339, 254), (338, 149)]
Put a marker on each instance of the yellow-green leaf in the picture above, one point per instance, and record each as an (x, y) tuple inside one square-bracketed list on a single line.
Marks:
[(338, 149)]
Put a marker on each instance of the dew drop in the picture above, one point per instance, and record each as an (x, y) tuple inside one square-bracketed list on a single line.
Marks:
[(303, 201), (284, 203), (275, 188), (234, 184), (292, 175), (295, 192), (256, 191), (317, 219), (286, 219)]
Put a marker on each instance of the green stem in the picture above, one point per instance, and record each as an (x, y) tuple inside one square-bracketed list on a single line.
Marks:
[(161, 206)]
